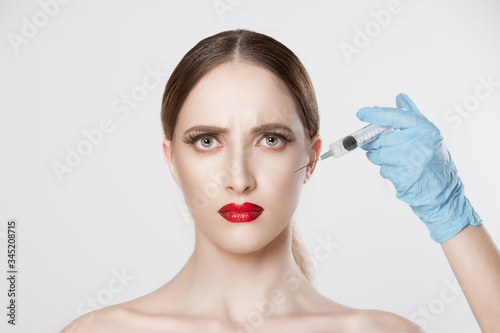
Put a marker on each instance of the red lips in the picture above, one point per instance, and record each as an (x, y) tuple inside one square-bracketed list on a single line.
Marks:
[(245, 212)]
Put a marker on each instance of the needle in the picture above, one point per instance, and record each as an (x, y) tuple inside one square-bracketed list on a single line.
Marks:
[(322, 157), (307, 165)]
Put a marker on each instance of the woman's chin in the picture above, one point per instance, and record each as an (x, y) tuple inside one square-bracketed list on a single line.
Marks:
[(243, 243)]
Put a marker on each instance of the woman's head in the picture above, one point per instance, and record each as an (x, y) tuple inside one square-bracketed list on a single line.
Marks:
[(259, 97)]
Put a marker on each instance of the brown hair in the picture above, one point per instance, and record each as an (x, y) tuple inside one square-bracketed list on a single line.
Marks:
[(251, 47)]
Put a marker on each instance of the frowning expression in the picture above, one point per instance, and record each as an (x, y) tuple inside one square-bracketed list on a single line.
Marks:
[(238, 138)]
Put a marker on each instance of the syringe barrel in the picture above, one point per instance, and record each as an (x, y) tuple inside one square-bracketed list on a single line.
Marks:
[(358, 138)]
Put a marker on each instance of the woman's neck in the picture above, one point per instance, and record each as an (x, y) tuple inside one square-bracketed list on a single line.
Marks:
[(219, 284)]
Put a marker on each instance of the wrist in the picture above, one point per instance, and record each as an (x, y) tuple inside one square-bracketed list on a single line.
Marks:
[(461, 214)]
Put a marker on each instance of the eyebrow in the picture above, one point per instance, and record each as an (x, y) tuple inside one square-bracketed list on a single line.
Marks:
[(256, 129)]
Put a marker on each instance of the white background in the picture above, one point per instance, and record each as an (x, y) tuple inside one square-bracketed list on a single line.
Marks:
[(120, 210)]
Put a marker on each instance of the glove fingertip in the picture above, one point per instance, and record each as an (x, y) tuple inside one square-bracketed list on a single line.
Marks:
[(401, 96), (365, 147), (361, 113), (402, 101), (364, 114), (372, 158)]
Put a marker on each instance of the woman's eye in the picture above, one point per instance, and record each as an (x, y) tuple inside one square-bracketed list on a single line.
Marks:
[(272, 140), (206, 142)]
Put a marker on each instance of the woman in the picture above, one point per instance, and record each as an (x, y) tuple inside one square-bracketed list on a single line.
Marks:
[(239, 115)]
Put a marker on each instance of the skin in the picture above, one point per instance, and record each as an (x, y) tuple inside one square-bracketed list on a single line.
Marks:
[(236, 265), (475, 261)]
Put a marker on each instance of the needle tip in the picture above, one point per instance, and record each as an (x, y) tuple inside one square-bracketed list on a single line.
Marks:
[(307, 165)]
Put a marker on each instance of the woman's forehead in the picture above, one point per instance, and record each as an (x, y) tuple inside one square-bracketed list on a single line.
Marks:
[(236, 94)]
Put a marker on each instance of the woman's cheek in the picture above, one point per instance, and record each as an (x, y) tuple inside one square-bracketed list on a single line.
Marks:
[(194, 178), (278, 175)]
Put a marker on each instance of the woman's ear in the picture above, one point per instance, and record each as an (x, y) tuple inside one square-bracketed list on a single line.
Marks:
[(313, 153), (167, 152)]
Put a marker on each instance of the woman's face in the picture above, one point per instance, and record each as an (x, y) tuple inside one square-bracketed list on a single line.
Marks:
[(239, 162)]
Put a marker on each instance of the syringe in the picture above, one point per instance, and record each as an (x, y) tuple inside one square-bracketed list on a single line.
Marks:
[(352, 141)]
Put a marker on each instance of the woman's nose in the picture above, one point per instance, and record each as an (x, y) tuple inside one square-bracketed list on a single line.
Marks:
[(241, 168)]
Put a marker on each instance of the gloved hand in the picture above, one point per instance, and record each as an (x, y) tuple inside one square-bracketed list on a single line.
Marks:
[(415, 159)]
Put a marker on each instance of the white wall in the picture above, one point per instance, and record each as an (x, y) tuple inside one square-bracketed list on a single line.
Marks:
[(119, 209)]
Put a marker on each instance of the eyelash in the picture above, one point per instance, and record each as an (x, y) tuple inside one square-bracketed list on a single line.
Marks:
[(193, 137)]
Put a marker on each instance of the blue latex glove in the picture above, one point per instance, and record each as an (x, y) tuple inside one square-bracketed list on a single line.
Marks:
[(415, 159)]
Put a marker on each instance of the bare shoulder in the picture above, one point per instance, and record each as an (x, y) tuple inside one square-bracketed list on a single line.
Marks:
[(126, 317), (375, 321), (103, 320)]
